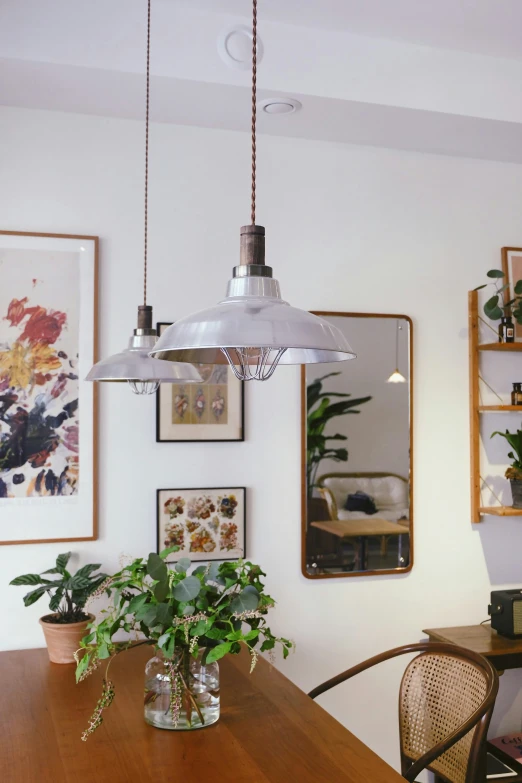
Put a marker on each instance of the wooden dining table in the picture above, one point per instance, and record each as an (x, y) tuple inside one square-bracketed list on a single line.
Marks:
[(269, 730)]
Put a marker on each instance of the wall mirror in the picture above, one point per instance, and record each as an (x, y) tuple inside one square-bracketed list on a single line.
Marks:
[(357, 478)]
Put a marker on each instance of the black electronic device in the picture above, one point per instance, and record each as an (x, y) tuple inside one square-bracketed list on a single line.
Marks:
[(505, 610)]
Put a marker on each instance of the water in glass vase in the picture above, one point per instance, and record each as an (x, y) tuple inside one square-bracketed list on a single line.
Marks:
[(194, 702)]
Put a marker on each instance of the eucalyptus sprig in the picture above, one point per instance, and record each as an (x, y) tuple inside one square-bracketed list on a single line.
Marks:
[(498, 306), (218, 607)]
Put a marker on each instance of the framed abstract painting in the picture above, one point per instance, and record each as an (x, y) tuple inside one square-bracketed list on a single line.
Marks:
[(212, 410), (206, 524), (48, 416)]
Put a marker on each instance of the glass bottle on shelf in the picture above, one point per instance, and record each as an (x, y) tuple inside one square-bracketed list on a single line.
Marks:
[(506, 330), (516, 394)]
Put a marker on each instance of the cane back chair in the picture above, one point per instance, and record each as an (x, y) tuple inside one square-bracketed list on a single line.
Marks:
[(446, 700)]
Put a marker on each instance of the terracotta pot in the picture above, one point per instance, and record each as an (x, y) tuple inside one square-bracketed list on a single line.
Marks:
[(63, 639)]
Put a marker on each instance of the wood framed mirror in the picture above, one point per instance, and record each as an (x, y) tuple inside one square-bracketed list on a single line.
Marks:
[(357, 452)]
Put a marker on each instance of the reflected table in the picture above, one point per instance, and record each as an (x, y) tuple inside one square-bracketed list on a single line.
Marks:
[(269, 730), (363, 529)]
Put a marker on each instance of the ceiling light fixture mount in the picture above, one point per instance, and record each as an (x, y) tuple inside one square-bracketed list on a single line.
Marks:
[(134, 364), (280, 105), (253, 328), (235, 47)]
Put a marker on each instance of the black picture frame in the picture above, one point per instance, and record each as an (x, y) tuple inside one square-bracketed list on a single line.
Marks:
[(175, 556), (164, 388)]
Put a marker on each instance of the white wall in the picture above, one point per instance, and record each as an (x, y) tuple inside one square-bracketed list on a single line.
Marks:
[(349, 228)]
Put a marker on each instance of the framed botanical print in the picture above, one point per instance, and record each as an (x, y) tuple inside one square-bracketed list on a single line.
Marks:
[(48, 415), (206, 524), (213, 410), (512, 268)]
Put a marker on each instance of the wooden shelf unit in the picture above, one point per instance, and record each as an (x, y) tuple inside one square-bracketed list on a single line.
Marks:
[(503, 347), (497, 408), (475, 409)]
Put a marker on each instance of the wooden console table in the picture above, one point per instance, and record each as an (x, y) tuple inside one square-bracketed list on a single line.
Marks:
[(269, 730), (502, 652)]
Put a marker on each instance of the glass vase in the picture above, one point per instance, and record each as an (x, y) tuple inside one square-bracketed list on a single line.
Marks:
[(181, 694)]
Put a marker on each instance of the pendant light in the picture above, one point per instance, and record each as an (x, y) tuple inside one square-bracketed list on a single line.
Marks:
[(134, 364), (396, 376), (253, 328)]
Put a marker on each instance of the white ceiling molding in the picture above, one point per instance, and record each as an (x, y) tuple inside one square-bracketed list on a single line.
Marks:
[(69, 55)]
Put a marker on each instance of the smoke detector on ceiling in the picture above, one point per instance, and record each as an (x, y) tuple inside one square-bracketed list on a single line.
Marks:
[(280, 105), (235, 47)]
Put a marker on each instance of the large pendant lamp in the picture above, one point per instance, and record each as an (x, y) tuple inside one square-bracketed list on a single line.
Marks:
[(134, 364), (253, 328)]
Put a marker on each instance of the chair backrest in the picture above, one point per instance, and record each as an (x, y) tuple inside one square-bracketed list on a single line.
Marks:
[(439, 692), (446, 701)]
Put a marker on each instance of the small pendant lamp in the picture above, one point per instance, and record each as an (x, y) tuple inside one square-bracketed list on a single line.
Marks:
[(396, 376), (134, 364), (253, 328)]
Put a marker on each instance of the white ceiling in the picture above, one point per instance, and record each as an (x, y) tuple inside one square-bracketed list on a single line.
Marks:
[(490, 27), (69, 55)]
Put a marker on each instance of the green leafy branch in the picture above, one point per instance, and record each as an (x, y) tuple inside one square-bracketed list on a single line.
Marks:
[(218, 607), (497, 306)]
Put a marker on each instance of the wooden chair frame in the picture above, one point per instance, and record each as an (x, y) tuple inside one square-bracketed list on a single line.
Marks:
[(479, 719)]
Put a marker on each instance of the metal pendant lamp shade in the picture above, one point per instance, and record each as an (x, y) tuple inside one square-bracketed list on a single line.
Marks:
[(270, 330), (134, 364), (253, 328)]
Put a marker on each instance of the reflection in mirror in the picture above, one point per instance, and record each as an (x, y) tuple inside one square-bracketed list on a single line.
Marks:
[(357, 452)]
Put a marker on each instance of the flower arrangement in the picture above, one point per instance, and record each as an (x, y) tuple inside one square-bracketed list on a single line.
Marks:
[(200, 507), (174, 507), (214, 611)]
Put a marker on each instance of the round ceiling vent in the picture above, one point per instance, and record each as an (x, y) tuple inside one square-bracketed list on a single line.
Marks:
[(235, 47), (280, 105)]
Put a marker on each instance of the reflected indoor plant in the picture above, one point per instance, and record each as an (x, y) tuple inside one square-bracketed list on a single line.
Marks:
[(319, 411), (191, 621), (68, 621), (514, 472)]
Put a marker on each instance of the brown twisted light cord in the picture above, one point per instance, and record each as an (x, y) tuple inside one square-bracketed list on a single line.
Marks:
[(146, 216), (254, 108)]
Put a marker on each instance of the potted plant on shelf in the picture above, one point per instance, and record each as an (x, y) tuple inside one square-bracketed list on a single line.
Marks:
[(68, 621), (497, 307), (191, 622), (514, 472)]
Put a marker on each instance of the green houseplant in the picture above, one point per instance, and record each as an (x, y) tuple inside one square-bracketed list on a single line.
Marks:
[(68, 594), (514, 472), (319, 411), (191, 621), (498, 306)]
